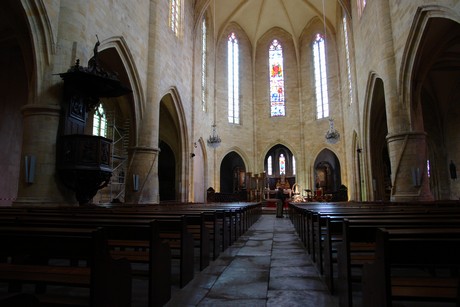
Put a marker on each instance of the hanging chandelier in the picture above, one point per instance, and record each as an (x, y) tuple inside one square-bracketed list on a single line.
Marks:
[(332, 136), (214, 139)]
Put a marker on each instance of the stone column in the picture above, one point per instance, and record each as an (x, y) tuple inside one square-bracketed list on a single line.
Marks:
[(41, 115), (142, 181), (409, 170), (144, 156), (407, 148), (39, 143)]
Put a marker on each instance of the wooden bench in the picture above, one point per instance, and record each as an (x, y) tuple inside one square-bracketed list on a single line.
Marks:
[(413, 265), (358, 246), (317, 226), (46, 256), (172, 229)]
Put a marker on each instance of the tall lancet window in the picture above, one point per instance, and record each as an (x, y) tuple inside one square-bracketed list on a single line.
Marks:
[(293, 166), (269, 166), (174, 16), (361, 6), (100, 122), (204, 76), (233, 80), (282, 163), (347, 55), (275, 60), (319, 60)]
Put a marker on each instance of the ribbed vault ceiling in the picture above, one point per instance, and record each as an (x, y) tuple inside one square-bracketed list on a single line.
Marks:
[(258, 16)]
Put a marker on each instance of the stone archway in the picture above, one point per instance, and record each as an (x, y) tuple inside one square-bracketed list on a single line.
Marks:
[(16, 60), (435, 108), (230, 169), (327, 172), (379, 157)]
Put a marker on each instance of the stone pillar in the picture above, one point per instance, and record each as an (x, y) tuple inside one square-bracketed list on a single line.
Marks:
[(407, 148), (143, 156), (41, 116), (142, 182), (408, 157), (40, 124)]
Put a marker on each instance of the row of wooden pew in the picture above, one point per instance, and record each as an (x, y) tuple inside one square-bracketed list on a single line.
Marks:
[(102, 249), (389, 252)]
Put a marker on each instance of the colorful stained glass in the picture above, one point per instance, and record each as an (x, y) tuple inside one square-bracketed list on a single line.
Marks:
[(282, 162), (277, 102)]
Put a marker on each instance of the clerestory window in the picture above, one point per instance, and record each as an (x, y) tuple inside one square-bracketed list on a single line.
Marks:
[(319, 60), (275, 59), (233, 79)]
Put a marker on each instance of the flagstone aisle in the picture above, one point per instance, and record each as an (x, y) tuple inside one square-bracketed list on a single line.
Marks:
[(267, 266)]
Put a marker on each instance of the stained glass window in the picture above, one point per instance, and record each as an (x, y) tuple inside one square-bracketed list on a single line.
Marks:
[(203, 64), (282, 163), (319, 59), (275, 56), (233, 79), (100, 122), (174, 15)]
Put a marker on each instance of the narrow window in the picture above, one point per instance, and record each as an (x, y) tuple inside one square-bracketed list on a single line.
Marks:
[(428, 168), (275, 58), (347, 55), (174, 16), (282, 163), (269, 166), (233, 80), (293, 166), (100, 122), (361, 6), (319, 59), (204, 76)]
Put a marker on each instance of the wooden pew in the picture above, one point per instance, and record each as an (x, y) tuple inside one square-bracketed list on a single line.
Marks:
[(172, 229), (29, 253), (317, 227), (358, 245), (313, 223), (195, 222), (409, 265)]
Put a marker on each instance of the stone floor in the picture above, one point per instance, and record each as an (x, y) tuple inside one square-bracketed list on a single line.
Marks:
[(267, 266)]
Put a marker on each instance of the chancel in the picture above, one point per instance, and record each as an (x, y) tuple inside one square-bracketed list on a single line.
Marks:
[(158, 137)]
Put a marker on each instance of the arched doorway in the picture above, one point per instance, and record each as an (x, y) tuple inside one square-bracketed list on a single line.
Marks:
[(16, 61), (232, 174), (279, 165), (327, 172), (171, 168), (379, 157), (117, 116), (435, 95), (167, 177)]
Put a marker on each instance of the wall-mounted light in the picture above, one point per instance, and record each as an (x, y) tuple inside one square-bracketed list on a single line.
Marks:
[(416, 177), (29, 163), (135, 182)]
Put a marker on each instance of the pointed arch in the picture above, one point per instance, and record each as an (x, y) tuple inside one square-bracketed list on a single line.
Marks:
[(409, 86), (43, 41), (174, 133), (127, 59)]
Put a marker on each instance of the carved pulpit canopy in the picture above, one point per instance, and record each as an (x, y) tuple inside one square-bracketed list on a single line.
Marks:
[(84, 161), (93, 82)]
